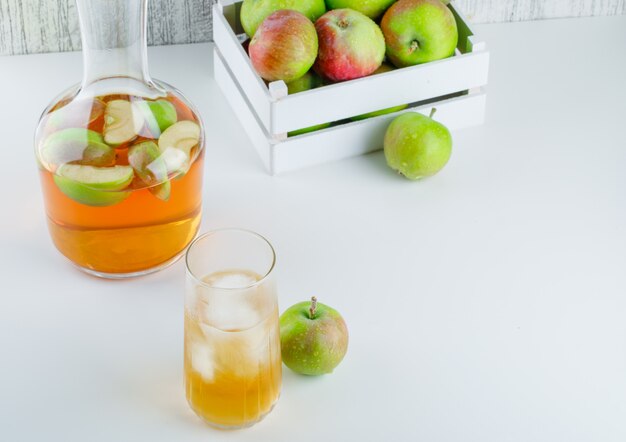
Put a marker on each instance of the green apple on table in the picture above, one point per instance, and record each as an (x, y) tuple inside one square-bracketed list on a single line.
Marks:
[(419, 31), (253, 12), (313, 338), (417, 146)]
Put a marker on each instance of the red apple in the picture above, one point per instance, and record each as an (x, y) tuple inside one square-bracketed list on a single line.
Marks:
[(284, 47), (351, 45)]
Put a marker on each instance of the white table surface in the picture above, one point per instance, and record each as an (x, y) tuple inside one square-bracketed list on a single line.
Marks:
[(485, 304)]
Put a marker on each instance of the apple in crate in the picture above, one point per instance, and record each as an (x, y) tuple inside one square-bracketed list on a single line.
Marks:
[(351, 45), (253, 12), (372, 8), (419, 31), (284, 47)]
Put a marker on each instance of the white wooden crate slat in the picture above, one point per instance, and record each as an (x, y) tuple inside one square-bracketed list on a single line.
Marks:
[(241, 106), (401, 86), (239, 62)]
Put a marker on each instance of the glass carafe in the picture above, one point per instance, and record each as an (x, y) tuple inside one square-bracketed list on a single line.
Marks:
[(120, 154)]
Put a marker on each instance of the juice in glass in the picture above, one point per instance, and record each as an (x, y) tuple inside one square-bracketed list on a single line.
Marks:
[(233, 370)]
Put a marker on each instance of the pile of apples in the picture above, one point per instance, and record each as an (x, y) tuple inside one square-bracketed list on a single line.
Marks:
[(289, 37), (311, 43)]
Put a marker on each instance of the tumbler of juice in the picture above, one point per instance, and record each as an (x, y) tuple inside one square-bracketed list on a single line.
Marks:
[(232, 344)]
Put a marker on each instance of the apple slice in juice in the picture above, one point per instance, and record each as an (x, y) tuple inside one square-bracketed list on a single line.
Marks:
[(94, 186), (158, 115), (145, 158), (122, 122), (79, 146), (80, 113), (176, 143)]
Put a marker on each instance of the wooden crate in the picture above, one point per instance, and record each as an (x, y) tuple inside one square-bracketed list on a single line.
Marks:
[(454, 86)]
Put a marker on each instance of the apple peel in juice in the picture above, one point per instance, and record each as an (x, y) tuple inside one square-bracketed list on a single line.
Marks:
[(94, 186), (77, 146), (313, 338), (158, 115), (417, 146), (374, 9), (419, 31), (253, 12), (351, 45), (284, 47), (145, 158)]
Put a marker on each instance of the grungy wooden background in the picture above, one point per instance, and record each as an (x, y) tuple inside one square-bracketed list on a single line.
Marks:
[(31, 26)]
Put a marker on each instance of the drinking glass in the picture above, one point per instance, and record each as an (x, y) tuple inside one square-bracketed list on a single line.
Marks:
[(233, 369)]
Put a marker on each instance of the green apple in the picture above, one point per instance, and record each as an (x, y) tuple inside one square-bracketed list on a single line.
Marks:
[(417, 146), (78, 146), (313, 338), (122, 122), (145, 158), (253, 12), (158, 115), (385, 67), (176, 144), (419, 31), (94, 186), (309, 81), (374, 9)]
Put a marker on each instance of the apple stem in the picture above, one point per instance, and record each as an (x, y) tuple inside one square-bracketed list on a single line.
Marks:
[(415, 45), (433, 111), (313, 307)]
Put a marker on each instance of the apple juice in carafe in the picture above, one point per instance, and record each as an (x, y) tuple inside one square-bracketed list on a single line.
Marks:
[(122, 187), (121, 154)]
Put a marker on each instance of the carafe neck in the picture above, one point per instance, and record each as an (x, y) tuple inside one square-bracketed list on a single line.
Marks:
[(113, 34)]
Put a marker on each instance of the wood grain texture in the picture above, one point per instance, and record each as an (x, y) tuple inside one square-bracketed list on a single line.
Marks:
[(495, 11), (32, 26)]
